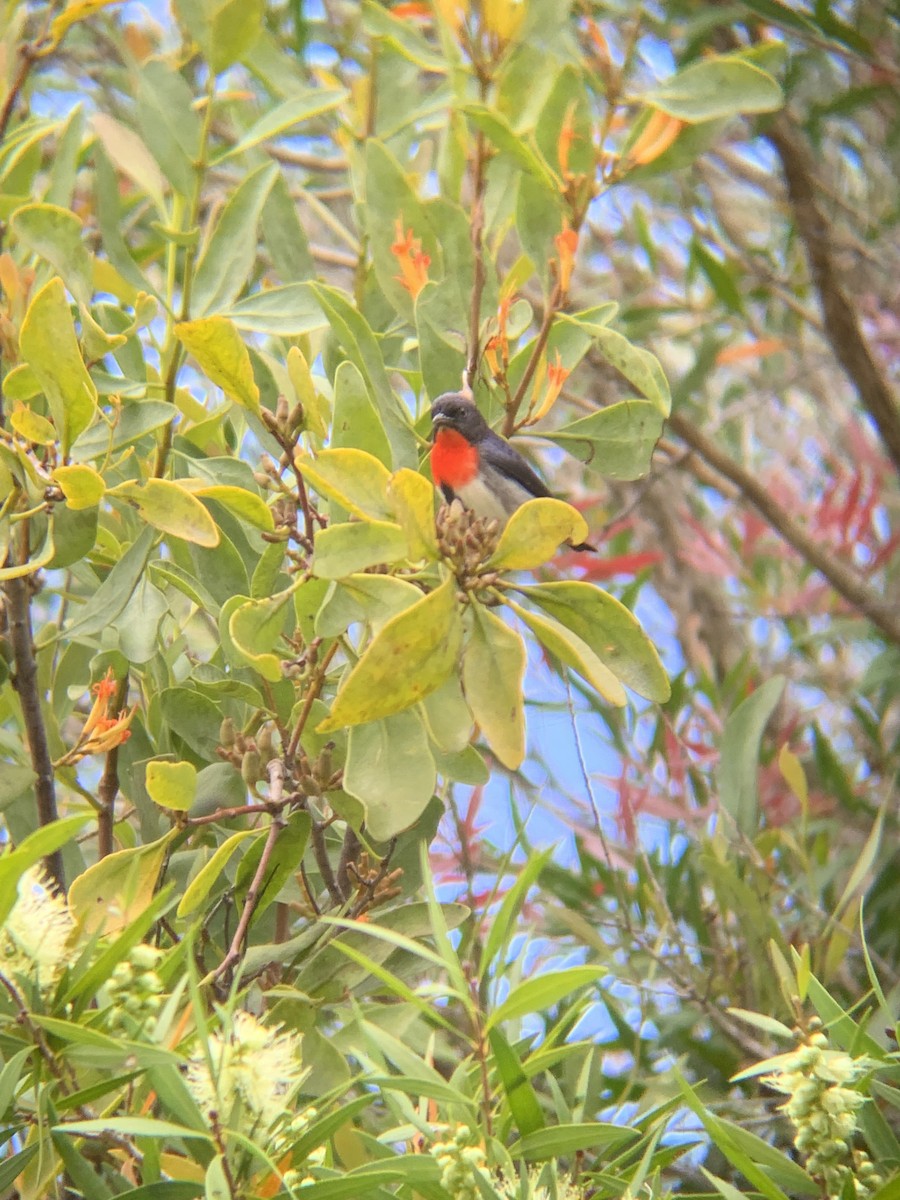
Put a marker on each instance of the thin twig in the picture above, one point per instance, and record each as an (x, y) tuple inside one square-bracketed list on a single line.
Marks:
[(108, 787), (323, 862), (881, 612), (25, 682), (509, 421)]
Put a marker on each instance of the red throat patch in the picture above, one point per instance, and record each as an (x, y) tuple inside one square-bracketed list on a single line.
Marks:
[(454, 461)]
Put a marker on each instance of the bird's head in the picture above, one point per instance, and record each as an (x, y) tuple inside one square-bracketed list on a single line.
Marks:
[(453, 411)]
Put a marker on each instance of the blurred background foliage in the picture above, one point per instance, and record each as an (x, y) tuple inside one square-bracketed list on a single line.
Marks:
[(339, 928)]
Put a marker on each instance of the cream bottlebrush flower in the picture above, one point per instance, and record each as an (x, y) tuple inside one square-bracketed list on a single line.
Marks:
[(255, 1072), (34, 938)]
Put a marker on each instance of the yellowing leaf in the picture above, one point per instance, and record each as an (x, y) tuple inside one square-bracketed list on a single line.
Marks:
[(31, 425), (82, 486), (255, 629), (535, 532), (347, 548), (792, 772), (245, 505), (75, 10), (569, 648), (493, 674), (222, 357), (132, 158), (315, 409), (171, 785), (354, 478), (168, 507), (413, 499), (199, 887), (412, 655), (115, 891), (49, 346)]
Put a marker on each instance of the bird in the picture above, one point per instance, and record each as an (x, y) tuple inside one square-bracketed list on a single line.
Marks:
[(472, 463)]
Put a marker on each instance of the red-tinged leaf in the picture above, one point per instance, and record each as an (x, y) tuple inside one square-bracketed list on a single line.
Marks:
[(605, 568)]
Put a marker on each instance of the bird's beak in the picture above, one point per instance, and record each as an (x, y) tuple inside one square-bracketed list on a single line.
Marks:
[(437, 423)]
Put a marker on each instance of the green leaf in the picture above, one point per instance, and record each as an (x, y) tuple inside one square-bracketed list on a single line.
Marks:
[(541, 992), (354, 334), (617, 442), (138, 623), (315, 407), (285, 236), (285, 859), (535, 532), (639, 366), (497, 130), (246, 505), (520, 1095), (716, 87), (147, 1127), (171, 785), (55, 234), (229, 258), (205, 879), (569, 648), (372, 598), (493, 674), (561, 1141), (169, 507), (739, 762), (222, 356), (412, 497), (343, 549), (132, 422), (256, 628), (48, 344), (357, 480), (115, 591), (223, 29), (390, 770), (310, 103), (411, 656), (109, 895), (612, 632), (288, 311), (356, 421), (169, 123), (36, 846)]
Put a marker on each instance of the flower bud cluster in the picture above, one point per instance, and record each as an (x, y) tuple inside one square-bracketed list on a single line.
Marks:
[(822, 1106), (467, 542), (461, 1159), (36, 937), (136, 992), (511, 1188)]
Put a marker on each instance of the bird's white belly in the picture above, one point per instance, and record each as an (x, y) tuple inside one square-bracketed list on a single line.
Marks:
[(496, 503)]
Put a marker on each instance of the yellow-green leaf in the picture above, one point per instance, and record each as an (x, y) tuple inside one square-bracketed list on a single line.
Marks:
[(222, 357), (255, 628), (354, 478), (493, 675), (344, 549), (245, 505), (413, 499), (171, 785), (199, 887), (49, 346), (569, 648), (56, 234), (82, 486), (168, 507), (413, 654), (315, 408), (112, 893), (535, 532), (132, 158), (21, 383), (40, 559), (31, 425), (792, 772)]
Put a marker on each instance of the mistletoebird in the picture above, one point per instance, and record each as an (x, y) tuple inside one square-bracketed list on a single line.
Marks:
[(471, 463)]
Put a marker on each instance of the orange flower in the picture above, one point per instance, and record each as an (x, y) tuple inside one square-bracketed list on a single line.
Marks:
[(101, 732), (658, 135), (566, 245), (567, 136), (497, 349), (557, 375), (414, 263)]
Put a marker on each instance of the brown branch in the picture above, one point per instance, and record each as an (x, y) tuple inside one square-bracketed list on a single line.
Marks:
[(25, 681), (323, 862), (881, 612), (480, 274), (349, 851), (841, 325), (509, 421), (108, 788)]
